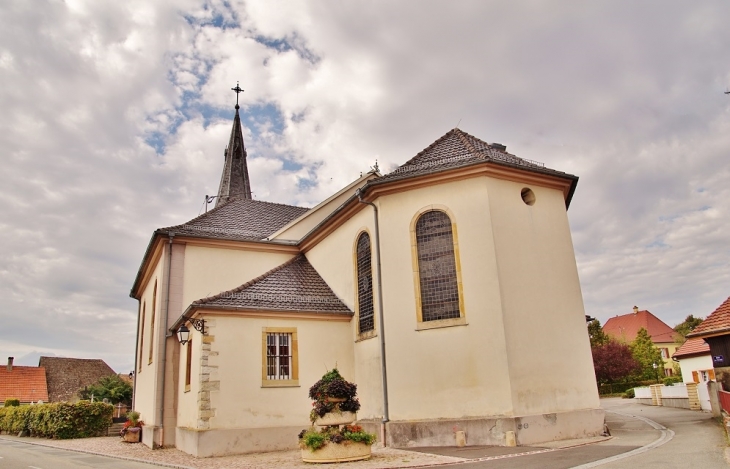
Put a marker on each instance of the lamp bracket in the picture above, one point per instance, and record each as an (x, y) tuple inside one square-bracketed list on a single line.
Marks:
[(199, 325)]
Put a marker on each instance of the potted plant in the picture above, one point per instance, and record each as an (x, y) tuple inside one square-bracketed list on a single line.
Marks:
[(334, 410), (132, 430)]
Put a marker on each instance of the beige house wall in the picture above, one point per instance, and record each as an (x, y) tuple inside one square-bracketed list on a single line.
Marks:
[(209, 271), (305, 223), (235, 361), (688, 365), (671, 347), (146, 382), (187, 409), (550, 365), (334, 259)]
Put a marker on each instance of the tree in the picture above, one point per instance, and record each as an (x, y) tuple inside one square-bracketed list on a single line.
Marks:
[(110, 387), (688, 325), (596, 334), (613, 361), (646, 354)]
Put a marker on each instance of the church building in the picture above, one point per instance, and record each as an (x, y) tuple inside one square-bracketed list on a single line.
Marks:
[(447, 290)]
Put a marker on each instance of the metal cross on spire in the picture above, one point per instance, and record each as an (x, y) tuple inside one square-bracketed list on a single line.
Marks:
[(237, 89)]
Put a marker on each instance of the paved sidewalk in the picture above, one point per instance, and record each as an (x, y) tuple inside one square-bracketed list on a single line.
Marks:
[(383, 458)]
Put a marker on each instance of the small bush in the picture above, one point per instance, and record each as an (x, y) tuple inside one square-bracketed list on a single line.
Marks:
[(58, 420), (12, 402), (670, 380), (629, 394)]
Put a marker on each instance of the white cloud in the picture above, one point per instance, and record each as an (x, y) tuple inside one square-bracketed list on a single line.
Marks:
[(115, 117)]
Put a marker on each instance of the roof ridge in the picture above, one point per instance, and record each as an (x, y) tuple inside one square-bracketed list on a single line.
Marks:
[(225, 204), (470, 148), (433, 144), (250, 282)]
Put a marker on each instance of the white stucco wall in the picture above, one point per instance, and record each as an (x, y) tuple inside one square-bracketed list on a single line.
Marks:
[(688, 365), (209, 270), (146, 383), (550, 363), (242, 402), (334, 260)]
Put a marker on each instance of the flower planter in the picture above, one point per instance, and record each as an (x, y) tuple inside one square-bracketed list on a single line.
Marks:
[(336, 418), (343, 452), (132, 435)]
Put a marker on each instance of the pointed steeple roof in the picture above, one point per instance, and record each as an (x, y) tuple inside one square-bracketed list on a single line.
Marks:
[(235, 183)]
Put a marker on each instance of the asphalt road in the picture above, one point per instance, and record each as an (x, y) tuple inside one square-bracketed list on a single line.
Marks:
[(18, 455), (690, 439)]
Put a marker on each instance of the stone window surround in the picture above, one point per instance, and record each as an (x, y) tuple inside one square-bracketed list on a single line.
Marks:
[(280, 383)]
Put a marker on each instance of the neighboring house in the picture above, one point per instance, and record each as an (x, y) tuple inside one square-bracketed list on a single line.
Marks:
[(695, 361), (715, 331), (26, 383), (625, 328), (67, 376), (274, 295)]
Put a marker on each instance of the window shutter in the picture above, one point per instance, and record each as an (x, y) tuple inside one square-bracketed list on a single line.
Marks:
[(712, 374), (695, 377)]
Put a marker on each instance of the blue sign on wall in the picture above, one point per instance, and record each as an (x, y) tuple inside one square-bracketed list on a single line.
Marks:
[(718, 358)]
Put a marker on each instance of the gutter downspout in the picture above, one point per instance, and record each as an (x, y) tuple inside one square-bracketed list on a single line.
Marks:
[(384, 370), (163, 344)]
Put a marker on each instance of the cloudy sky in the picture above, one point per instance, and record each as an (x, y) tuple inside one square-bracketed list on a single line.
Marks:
[(115, 116)]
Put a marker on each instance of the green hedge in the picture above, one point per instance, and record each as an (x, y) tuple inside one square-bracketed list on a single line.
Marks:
[(60, 421), (616, 388)]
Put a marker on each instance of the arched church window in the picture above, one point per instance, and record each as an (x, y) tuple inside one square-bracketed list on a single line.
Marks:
[(437, 274), (364, 284)]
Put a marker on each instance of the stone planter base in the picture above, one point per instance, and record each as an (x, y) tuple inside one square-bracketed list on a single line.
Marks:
[(132, 436), (336, 418), (332, 452)]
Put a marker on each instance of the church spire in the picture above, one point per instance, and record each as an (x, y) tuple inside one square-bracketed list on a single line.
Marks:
[(235, 183)]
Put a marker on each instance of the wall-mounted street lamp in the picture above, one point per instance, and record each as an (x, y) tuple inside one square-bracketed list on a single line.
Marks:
[(183, 333)]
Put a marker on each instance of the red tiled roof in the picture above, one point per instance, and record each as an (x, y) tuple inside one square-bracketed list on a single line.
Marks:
[(693, 346), (26, 383), (626, 327), (718, 321)]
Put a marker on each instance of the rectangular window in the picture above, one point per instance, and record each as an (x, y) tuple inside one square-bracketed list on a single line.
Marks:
[(188, 364), (280, 357), (665, 352)]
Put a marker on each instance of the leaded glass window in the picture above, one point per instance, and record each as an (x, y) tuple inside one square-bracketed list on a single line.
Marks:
[(437, 267), (364, 284)]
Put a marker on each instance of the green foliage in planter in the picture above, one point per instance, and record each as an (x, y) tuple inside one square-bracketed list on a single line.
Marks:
[(12, 402), (315, 440), (58, 420)]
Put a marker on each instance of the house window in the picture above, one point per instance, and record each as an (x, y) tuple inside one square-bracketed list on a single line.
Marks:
[(665, 352), (366, 320), (437, 273), (152, 323), (280, 357), (188, 363), (141, 338)]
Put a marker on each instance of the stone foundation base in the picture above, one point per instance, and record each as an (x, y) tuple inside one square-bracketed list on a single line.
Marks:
[(223, 442), (528, 430)]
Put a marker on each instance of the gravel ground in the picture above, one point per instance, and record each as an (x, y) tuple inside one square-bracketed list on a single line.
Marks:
[(114, 447)]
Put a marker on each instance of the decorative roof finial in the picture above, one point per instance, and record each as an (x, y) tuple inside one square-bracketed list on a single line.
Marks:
[(237, 89), (375, 168)]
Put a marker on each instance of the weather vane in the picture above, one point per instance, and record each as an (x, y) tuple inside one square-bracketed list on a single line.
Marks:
[(237, 89)]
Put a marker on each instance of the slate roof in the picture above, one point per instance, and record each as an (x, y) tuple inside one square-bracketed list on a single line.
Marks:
[(66, 376), (458, 148), (718, 321), (292, 286), (626, 327), (26, 383), (235, 182), (238, 219), (694, 346)]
